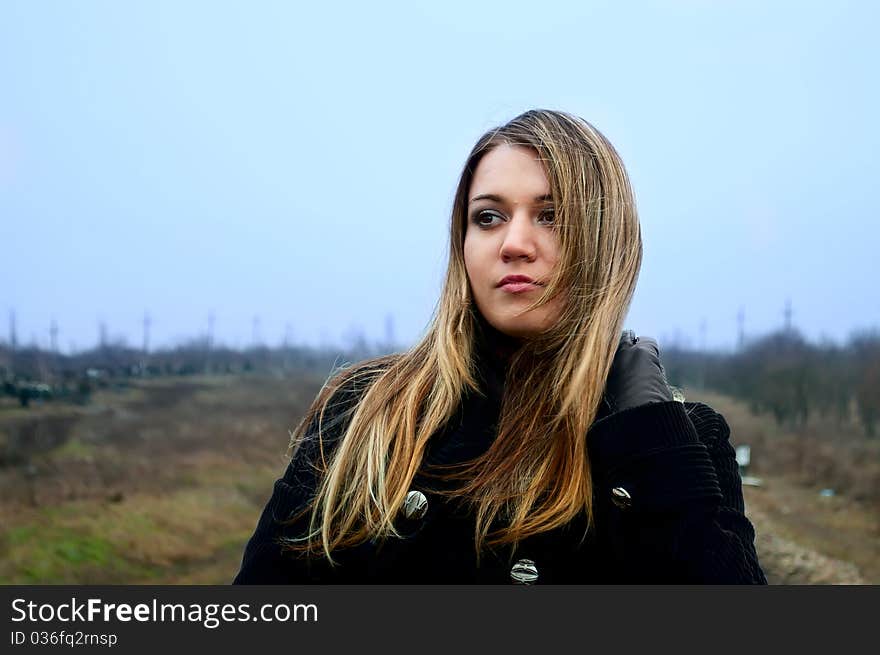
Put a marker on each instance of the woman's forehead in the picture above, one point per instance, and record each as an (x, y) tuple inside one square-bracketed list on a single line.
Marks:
[(512, 173)]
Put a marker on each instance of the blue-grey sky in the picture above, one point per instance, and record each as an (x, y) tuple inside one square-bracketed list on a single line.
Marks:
[(297, 161)]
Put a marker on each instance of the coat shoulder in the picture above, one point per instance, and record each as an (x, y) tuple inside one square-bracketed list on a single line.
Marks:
[(709, 423)]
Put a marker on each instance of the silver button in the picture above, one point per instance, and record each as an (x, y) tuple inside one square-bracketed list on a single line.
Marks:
[(524, 572), (621, 497), (415, 505)]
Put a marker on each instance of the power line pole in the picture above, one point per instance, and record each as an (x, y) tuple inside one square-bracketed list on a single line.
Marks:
[(741, 333), (40, 354), (13, 336), (209, 343), (147, 323), (211, 319), (787, 313), (53, 337), (286, 358), (255, 329)]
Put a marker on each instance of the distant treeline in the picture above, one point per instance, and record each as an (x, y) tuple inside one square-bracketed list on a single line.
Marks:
[(32, 373), (784, 375), (779, 374)]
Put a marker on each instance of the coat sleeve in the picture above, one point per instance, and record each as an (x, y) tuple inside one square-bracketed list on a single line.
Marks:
[(264, 560), (668, 497)]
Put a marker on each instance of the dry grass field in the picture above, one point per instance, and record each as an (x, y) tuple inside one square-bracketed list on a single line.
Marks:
[(163, 482), (159, 484)]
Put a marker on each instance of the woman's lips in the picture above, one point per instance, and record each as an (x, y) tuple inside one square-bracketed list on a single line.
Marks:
[(518, 287)]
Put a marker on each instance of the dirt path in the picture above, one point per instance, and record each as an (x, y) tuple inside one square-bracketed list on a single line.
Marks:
[(805, 538)]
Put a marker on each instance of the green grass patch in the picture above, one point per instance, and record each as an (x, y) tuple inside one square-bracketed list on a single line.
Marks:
[(51, 555), (189, 534), (74, 449)]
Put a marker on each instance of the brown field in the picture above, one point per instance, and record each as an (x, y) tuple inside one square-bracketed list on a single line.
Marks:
[(163, 482)]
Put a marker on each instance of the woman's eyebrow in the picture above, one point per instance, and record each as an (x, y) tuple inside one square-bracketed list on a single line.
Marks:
[(496, 198)]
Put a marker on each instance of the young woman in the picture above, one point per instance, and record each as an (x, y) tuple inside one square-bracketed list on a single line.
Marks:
[(523, 439)]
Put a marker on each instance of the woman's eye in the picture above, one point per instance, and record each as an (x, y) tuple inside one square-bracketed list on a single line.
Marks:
[(484, 215), (548, 216)]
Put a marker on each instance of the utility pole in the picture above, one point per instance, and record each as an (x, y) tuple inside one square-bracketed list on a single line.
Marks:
[(13, 337), (41, 360), (787, 313), (147, 323), (255, 336), (102, 334), (211, 320), (286, 344), (53, 337), (209, 343), (741, 333)]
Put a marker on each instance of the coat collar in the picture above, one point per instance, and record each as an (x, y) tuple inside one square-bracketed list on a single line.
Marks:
[(492, 350)]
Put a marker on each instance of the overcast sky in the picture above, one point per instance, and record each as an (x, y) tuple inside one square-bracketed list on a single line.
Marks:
[(296, 162)]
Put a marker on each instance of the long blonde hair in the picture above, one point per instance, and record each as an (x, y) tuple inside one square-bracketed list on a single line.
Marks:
[(536, 474)]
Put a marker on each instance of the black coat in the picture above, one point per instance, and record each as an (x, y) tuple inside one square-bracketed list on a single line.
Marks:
[(668, 509)]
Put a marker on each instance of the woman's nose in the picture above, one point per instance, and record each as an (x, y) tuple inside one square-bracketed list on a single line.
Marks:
[(519, 237)]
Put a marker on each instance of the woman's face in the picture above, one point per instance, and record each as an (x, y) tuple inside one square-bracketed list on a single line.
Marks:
[(510, 232)]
